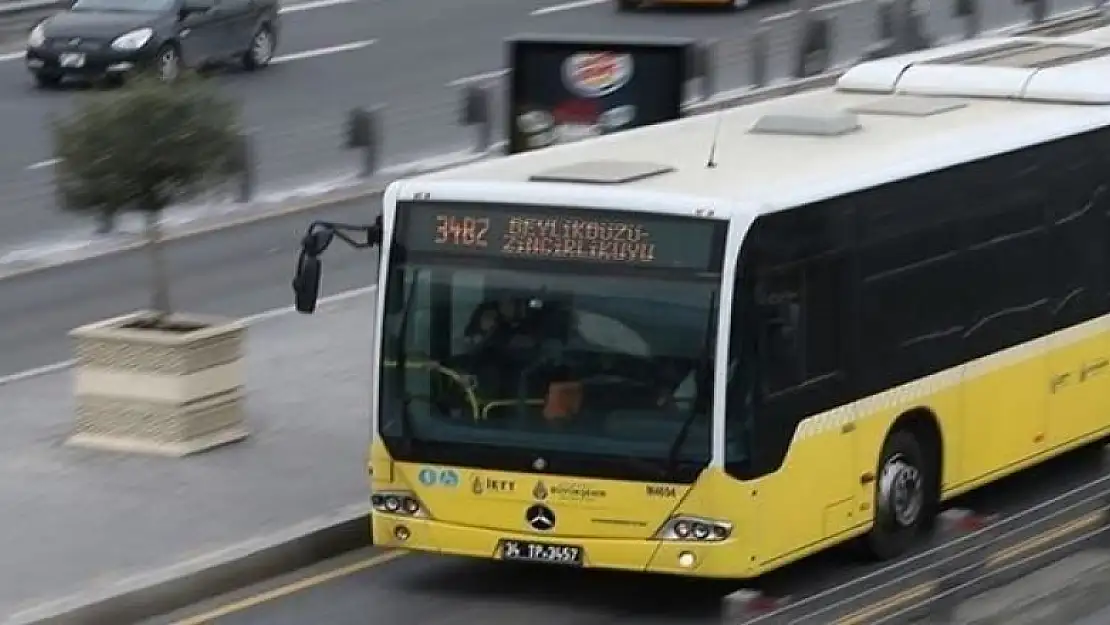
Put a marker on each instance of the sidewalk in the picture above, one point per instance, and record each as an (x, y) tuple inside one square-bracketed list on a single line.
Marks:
[(79, 521)]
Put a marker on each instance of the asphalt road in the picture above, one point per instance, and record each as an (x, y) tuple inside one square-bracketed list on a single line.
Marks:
[(434, 590), (338, 54), (233, 272)]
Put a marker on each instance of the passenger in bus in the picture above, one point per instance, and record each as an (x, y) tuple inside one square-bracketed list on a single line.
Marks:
[(515, 347)]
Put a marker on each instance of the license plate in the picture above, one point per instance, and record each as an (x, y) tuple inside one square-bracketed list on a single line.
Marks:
[(524, 551), (71, 59)]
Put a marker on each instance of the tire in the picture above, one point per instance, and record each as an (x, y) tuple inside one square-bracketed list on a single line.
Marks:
[(261, 50), (905, 496), (47, 81), (167, 63), (627, 5)]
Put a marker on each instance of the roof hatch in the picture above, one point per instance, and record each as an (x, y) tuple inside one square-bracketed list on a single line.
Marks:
[(908, 106), (602, 172), (807, 123), (1042, 70)]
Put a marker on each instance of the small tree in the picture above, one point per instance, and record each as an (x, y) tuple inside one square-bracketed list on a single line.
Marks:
[(142, 148)]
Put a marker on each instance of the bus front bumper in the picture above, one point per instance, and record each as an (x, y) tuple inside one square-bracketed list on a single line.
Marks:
[(651, 556)]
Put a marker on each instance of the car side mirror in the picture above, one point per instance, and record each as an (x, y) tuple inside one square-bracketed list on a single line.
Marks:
[(193, 7)]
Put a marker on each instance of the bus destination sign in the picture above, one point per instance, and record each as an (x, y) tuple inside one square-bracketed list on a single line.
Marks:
[(587, 236)]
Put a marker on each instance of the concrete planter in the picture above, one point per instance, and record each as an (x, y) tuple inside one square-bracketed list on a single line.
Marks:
[(170, 392)]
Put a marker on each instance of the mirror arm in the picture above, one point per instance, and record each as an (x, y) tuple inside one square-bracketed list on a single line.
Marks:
[(348, 233)]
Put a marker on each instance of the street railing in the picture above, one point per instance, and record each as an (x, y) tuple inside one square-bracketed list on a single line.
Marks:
[(803, 47)]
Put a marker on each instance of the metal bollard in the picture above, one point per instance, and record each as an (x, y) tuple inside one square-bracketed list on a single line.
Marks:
[(364, 133), (1038, 10), (909, 30), (476, 105), (884, 21), (815, 50), (245, 167), (703, 66), (972, 17), (759, 55)]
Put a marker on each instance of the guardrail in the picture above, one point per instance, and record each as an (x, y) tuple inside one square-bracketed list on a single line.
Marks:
[(765, 60), (930, 586)]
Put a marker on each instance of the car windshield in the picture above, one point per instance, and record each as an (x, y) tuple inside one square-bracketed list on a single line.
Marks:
[(550, 363), (144, 6)]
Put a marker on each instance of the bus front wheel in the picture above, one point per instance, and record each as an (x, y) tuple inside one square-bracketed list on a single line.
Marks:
[(904, 498)]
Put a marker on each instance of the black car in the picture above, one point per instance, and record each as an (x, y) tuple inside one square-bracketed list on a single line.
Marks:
[(108, 39)]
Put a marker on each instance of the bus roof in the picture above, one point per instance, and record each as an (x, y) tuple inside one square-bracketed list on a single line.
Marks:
[(883, 120)]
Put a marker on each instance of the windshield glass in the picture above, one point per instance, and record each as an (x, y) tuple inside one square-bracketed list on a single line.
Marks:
[(154, 6), (585, 370)]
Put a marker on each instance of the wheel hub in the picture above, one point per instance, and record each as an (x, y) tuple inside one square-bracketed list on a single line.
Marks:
[(167, 65), (262, 48), (901, 493)]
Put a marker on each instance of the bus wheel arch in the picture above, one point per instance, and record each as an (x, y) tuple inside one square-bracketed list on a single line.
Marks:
[(907, 484)]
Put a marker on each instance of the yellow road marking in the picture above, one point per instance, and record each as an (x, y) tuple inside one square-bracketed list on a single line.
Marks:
[(879, 607), (1010, 553), (856, 618), (288, 589), (1032, 543)]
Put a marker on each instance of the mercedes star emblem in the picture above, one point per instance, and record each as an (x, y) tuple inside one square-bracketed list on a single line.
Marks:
[(540, 518)]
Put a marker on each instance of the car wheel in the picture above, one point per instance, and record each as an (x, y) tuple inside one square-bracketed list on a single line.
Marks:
[(261, 51), (904, 499), (168, 63), (47, 81), (627, 5)]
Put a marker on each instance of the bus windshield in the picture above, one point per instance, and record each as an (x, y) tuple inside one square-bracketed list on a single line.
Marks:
[(523, 365)]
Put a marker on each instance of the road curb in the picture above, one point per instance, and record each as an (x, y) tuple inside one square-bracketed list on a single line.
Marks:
[(1080, 19), (360, 191), (156, 594)]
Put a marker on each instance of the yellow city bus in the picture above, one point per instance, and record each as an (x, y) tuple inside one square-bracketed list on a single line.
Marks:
[(714, 346)]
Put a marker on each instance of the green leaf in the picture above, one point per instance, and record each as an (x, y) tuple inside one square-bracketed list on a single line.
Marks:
[(145, 146)]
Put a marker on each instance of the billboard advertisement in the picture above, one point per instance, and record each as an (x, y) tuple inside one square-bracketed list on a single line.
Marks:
[(565, 89)]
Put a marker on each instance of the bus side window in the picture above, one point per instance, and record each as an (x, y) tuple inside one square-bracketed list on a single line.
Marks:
[(779, 314)]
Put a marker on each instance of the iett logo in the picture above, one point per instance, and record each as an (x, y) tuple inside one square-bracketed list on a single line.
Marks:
[(477, 487)]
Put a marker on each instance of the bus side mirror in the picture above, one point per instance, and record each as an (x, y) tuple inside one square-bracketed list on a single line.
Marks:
[(306, 283)]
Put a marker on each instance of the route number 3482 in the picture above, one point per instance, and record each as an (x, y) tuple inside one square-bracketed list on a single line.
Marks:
[(462, 231)]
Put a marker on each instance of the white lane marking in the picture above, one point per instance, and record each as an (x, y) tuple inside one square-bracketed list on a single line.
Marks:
[(50, 162), (314, 4), (567, 6), (291, 8), (311, 54), (295, 56), (826, 6), (498, 73), (265, 315)]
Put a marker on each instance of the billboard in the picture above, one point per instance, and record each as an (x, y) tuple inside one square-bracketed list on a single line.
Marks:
[(567, 89)]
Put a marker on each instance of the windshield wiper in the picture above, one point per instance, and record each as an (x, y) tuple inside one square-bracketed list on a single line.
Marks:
[(400, 348), (704, 360)]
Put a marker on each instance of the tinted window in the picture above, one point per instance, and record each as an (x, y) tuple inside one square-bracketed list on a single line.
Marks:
[(932, 272)]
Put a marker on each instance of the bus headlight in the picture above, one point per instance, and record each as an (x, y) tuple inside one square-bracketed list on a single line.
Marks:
[(694, 529), (401, 503)]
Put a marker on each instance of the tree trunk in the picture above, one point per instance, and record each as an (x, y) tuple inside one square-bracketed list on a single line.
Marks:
[(159, 272)]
